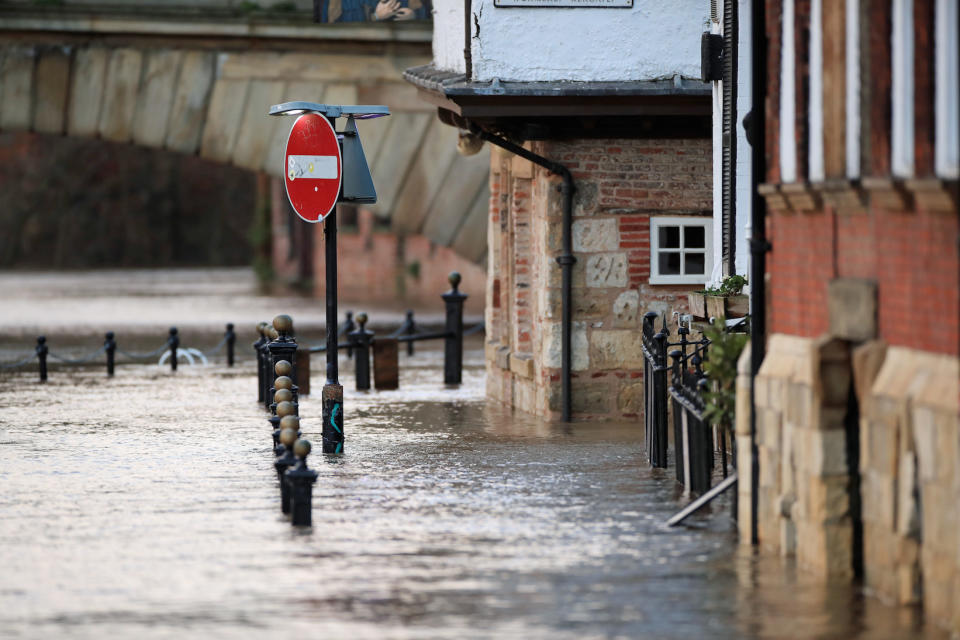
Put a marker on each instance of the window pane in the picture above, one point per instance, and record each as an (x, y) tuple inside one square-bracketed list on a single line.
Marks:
[(694, 237), (669, 238), (694, 263), (669, 262)]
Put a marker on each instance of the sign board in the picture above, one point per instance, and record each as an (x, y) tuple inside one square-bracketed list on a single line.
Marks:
[(314, 167), (586, 4)]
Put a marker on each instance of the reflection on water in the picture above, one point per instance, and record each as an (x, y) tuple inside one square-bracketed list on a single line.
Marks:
[(146, 506)]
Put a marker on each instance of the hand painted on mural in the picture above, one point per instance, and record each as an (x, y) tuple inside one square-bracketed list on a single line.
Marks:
[(374, 10)]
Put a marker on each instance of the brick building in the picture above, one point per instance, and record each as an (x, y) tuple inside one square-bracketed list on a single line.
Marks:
[(856, 401), (619, 123)]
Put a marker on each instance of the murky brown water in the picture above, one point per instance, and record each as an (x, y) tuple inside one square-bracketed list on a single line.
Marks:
[(146, 506)]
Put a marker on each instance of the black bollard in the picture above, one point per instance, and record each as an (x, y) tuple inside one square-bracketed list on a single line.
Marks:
[(409, 328), (42, 351), (173, 342), (284, 408), (258, 349), (289, 425), (231, 342), (284, 347), (110, 347), (361, 339), (281, 369), (301, 480), (268, 374), (347, 327), (453, 343)]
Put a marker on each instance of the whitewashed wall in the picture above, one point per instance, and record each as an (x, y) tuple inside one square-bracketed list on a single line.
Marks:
[(655, 39)]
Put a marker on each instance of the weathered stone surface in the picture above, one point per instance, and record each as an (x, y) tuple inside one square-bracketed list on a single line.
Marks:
[(431, 165), (521, 364), (590, 398), (630, 398), (580, 348), (607, 270), (227, 106), (852, 308), (596, 235), (616, 349), (86, 91), (52, 85), (16, 108), (121, 88), (155, 101), (257, 128), (626, 310), (188, 110)]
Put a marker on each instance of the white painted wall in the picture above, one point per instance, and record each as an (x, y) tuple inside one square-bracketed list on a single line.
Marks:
[(744, 150), (655, 39), (448, 35)]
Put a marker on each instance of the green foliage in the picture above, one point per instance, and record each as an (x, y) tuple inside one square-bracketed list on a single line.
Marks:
[(721, 370), (283, 7), (731, 286), (249, 7), (413, 269)]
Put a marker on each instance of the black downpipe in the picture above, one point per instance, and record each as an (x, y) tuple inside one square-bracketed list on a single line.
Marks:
[(756, 130), (467, 53), (566, 260), (731, 29)]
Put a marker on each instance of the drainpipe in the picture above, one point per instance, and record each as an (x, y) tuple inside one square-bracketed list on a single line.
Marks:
[(566, 259), (467, 53), (756, 131)]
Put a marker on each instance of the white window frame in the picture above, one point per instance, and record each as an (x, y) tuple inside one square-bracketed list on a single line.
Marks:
[(656, 222)]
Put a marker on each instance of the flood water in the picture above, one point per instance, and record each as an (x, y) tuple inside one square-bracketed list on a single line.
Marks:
[(146, 506)]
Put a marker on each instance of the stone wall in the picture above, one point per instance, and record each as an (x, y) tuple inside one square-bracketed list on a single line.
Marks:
[(620, 185), (864, 481)]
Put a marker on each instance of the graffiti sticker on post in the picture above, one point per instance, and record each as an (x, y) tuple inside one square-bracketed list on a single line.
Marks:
[(313, 167)]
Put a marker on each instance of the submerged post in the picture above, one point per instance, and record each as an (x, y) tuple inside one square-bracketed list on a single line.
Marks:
[(110, 347), (42, 351), (173, 342), (361, 341), (300, 480), (332, 395), (231, 338), (409, 329), (258, 349), (453, 343)]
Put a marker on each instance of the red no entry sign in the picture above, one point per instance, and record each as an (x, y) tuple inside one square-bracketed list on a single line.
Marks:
[(313, 167)]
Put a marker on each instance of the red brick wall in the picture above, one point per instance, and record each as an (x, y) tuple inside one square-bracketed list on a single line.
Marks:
[(912, 255)]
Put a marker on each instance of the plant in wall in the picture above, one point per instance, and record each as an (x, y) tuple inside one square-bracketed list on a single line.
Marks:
[(727, 300), (721, 370)]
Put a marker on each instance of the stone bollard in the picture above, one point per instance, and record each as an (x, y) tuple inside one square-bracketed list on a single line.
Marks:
[(231, 339), (173, 342), (361, 340), (42, 350), (301, 480), (453, 343), (258, 349), (285, 460), (110, 347)]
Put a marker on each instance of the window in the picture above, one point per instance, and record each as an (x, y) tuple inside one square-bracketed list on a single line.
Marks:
[(680, 249)]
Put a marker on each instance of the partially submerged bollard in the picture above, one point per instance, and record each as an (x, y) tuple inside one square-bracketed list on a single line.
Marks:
[(347, 327), (409, 328), (280, 396), (42, 350), (110, 348), (258, 349), (173, 342), (386, 364), (280, 369), (453, 343), (301, 480), (268, 374), (283, 346), (360, 339), (231, 340), (289, 426)]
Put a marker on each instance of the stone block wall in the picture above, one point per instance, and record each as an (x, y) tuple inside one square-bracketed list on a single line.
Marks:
[(620, 185)]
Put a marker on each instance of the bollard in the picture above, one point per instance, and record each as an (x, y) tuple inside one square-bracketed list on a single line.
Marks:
[(288, 435), (173, 342), (257, 349), (284, 347), (361, 340), (347, 327), (110, 347), (386, 366), (231, 342), (301, 480), (42, 351), (453, 343), (268, 373), (409, 329), (280, 369), (280, 396)]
